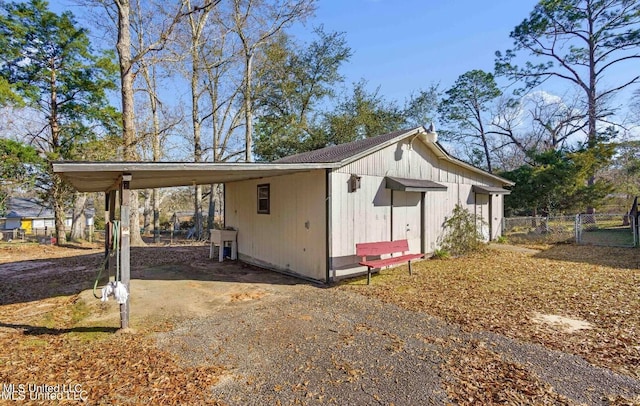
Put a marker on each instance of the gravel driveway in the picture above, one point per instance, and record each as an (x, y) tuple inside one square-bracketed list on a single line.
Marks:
[(295, 343)]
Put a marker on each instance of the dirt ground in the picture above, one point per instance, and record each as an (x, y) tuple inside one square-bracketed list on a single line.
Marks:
[(233, 335)]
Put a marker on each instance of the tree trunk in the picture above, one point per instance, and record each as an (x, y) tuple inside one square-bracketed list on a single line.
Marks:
[(248, 108), (197, 218), (147, 212), (128, 125), (212, 208), (58, 210), (78, 219), (156, 217)]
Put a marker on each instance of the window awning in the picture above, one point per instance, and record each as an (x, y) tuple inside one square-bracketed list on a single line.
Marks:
[(489, 190), (412, 185)]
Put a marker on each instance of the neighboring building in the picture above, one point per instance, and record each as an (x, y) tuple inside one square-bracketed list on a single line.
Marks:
[(32, 216), (401, 185)]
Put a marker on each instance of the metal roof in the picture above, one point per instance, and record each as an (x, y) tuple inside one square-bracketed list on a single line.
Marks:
[(341, 152), (344, 154), (18, 207), (103, 176), (412, 185), (489, 190)]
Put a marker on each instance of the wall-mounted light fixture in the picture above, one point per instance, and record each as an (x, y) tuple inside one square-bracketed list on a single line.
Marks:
[(354, 183)]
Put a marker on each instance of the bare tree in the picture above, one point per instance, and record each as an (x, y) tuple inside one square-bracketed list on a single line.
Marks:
[(120, 13), (256, 22), (152, 135)]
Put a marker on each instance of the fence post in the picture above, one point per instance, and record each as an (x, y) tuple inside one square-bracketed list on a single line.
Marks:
[(578, 229)]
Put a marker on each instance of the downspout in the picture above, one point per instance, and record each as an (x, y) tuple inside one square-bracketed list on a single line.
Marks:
[(327, 226)]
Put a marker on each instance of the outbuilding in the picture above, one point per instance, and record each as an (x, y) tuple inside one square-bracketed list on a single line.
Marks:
[(401, 185), (304, 214)]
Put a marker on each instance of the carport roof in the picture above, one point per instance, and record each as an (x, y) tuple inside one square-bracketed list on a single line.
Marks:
[(104, 176)]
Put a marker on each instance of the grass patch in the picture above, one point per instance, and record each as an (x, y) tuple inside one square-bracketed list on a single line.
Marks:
[(500, 290), (79, 311), (34, 342)]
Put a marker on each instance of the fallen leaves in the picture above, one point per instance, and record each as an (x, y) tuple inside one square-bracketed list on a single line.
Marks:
[(112, 368), (500, 291), (43, 343), (480, 376)]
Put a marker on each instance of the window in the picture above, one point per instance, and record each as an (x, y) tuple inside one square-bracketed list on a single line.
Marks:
[(264, 199)]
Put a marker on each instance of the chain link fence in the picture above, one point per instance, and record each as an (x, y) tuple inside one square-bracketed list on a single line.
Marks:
[(546, 230), (614, 230)]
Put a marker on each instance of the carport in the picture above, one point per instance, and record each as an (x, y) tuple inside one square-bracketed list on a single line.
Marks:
[(122, 177)]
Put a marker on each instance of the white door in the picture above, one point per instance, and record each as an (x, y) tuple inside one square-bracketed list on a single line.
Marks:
[(405, 218), (482, 214)]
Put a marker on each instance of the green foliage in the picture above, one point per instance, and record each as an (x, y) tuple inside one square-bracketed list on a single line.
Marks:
[(422, 107), (502, 239), (463, 108), (440, 253), (44, 52), (294, 84), (18, 165), (48, 62), (624, 170), (556, 182), (363, 114), (8, 95), (462, 233), (297, 82), (583, 43)]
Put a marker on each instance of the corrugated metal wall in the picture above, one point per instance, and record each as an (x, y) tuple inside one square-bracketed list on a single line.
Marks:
[(360, 216), (292, 237), (413, 160), (365, 215)]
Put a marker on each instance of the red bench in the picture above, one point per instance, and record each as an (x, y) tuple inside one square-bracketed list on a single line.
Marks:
[(366, 249)]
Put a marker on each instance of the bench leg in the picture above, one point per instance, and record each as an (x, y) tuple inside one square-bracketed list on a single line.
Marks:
[(368, 275), (410, 268)]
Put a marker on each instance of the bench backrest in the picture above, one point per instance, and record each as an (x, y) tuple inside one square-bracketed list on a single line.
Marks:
[(384, 247)]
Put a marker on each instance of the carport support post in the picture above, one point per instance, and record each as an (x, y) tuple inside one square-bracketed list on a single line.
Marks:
[(109, 216), (125, 244)]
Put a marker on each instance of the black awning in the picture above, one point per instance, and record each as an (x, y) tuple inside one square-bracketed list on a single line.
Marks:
[(412, 185), (489, 190)]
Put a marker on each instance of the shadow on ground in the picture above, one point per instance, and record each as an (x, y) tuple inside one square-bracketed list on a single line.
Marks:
[(36, 279), (42, 330), (615, 257)]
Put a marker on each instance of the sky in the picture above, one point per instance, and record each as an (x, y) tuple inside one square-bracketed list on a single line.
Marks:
[(405, 45), (402, 46)]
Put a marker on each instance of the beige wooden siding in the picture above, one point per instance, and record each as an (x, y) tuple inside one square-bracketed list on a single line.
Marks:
[(413, 159), (365, 215), (359, 216), (292, 237), (439, 207)]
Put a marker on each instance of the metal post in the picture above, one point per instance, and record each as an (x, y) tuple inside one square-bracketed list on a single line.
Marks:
[(125, 244)]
